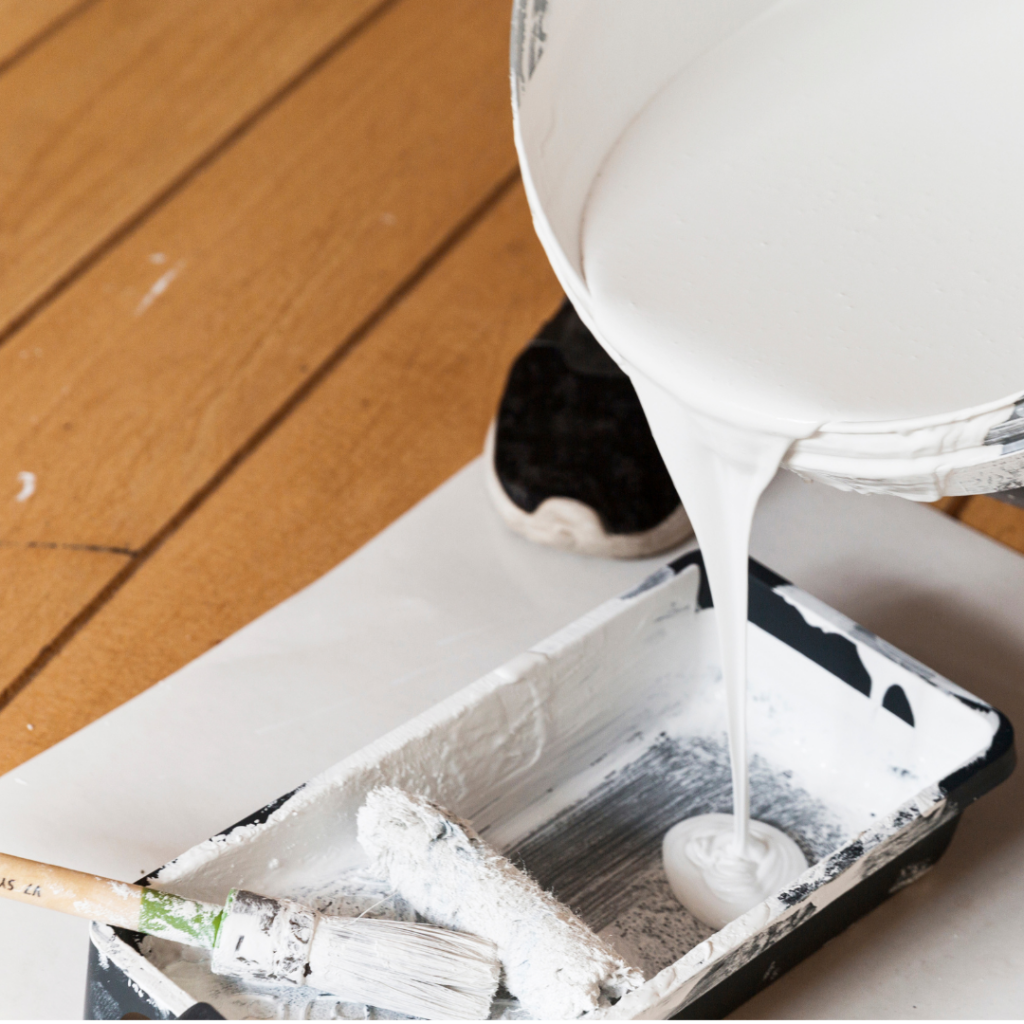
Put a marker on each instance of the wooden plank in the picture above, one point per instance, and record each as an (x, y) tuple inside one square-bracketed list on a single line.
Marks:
[(110, 112), (1000, 521), (131, 391), (41, 589), (951, 505), (23, 22), (400, 414), (126, 401)]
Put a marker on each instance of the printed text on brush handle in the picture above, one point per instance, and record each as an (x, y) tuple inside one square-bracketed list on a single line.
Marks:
[(10, 884), (71, 892)]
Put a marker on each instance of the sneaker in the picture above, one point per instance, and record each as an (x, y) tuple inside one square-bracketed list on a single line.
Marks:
[(571, 460)]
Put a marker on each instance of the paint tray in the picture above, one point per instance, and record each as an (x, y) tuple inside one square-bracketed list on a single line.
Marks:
[(577, 756)]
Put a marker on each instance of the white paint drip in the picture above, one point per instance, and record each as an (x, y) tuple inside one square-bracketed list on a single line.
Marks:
[(159, 286), (772, 275), (28, 486)]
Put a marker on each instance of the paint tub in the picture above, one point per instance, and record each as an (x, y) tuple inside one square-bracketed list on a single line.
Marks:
[(581, 71), (578, 755)]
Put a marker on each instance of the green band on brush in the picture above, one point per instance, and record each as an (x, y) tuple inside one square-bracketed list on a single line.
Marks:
[(172, 917)]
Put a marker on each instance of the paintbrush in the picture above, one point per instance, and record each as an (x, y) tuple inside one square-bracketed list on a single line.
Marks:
[(415, 969)]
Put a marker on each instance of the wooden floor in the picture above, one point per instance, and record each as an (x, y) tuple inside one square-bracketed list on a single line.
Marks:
[(263, 269)]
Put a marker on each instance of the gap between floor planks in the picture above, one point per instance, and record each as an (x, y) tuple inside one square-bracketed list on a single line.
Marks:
[(122, 405), (139, 65), (267, 310), (308, 386), (403, 411), (26, 24), (117, 105)]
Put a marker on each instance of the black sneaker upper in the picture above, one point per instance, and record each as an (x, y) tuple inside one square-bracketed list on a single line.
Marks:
[(570, 426)]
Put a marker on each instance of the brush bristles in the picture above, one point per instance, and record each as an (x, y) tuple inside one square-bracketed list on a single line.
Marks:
[(415, 969)]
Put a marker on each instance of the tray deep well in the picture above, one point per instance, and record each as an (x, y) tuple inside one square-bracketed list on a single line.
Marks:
[(577, 756)]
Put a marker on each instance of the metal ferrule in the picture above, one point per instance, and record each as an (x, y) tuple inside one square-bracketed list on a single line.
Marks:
[(264, 939)]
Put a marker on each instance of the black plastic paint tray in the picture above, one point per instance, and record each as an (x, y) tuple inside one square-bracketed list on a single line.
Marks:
[(578, 755)]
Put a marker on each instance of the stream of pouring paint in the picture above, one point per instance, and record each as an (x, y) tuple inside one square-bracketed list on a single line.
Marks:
[(818, 222)]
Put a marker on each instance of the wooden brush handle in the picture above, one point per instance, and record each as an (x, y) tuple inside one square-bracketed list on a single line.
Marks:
[(118, 903), (72, 892)]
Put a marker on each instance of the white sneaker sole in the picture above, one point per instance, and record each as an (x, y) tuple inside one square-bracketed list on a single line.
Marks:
[(572, 526)]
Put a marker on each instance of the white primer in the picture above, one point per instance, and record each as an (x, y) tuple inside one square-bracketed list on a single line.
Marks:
[(714, 884), (159, 286), (817, 223), (810, 239)]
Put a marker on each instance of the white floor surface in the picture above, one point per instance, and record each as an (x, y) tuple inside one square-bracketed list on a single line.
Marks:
[(444, 595)]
